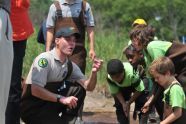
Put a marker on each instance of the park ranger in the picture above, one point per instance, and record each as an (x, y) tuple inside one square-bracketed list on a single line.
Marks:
[(48, 98)]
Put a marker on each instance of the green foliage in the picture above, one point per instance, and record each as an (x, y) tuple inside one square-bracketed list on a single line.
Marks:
[(118, 15), (121, 14), (33, 49), (39, 10)]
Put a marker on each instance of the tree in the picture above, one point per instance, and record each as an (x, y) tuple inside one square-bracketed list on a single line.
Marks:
[(167, 16), (121, 13), (39, 10)]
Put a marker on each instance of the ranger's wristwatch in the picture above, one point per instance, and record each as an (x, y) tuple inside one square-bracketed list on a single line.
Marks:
[(58, 98)]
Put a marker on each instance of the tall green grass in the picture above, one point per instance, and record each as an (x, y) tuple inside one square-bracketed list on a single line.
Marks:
[(107, 46), (33, 49)]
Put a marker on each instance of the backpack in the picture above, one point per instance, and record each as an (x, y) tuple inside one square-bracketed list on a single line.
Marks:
[(41, 36)]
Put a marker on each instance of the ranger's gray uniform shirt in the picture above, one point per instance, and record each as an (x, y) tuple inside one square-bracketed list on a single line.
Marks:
[(70, 10), (47, 67)]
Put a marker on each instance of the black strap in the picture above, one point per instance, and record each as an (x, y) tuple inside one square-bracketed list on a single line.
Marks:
[(60, 83), (167, 96), (70, 68), (58, 9), (173, 85), (83, 7)]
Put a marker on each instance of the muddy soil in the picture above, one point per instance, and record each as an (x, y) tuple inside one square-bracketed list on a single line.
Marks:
[(99, 109)]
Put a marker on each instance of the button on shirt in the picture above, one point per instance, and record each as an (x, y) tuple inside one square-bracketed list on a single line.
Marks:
[(47, 67), (70, 10)]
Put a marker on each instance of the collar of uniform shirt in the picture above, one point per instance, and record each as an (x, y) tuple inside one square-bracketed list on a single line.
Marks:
[(53, 52), (71, 1)]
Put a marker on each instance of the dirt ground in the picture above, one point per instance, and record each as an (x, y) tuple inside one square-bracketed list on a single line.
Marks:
[(99, 110)]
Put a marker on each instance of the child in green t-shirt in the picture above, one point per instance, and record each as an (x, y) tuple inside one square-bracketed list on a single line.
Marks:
[(142, 39), (162, 69), (122, 82), (138, 63)]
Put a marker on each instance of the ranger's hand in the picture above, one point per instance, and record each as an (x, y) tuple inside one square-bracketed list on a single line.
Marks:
[(97, 63), (70, 101)]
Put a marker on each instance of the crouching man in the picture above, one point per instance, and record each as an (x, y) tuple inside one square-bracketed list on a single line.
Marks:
[(55, 86)]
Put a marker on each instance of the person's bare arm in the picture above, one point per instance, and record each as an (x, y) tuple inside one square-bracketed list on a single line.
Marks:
[(125, 105), (177, 113), (134, 97), (44, 94), (90, 33), (90, 83), (120, 98), (146, 106), (49, 38), (157, 90)]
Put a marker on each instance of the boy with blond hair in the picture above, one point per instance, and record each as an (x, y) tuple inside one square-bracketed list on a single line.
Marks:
[(162, 69)]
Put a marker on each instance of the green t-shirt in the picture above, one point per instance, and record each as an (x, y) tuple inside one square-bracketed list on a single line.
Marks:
[(130, 77), (155, 49), (176, 96)]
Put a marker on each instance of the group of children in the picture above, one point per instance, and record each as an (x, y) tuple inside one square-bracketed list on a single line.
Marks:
[(155, 76)]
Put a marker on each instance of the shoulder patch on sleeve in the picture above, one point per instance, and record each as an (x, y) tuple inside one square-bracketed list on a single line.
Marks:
[(42, 62)]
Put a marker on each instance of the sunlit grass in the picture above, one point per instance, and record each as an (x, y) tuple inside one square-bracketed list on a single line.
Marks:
[(33, 49)]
